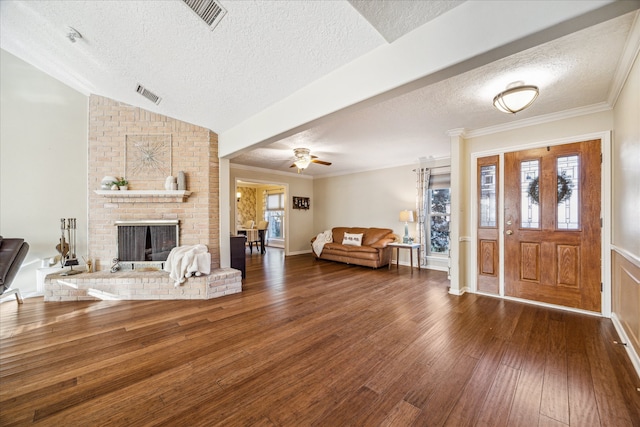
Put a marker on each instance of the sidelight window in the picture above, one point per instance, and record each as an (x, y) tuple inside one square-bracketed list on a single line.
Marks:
[(488, 196)]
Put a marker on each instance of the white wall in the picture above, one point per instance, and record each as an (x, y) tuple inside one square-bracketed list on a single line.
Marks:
[(626, 215), (43, 161), (365, 199), (626, 166)]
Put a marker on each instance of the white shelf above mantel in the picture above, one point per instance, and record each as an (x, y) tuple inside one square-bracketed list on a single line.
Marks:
[(137, 194)]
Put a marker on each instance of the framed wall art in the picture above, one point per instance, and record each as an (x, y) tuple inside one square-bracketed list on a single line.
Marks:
[(301, 202), (147, 157)]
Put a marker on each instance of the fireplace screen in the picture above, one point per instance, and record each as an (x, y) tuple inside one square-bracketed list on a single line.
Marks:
[(146, 241)]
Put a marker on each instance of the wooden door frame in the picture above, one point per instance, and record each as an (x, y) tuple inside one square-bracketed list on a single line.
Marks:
[(605, 203)]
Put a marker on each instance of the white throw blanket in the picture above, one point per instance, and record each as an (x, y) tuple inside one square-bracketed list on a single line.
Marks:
[(321, 239), (186, 261)]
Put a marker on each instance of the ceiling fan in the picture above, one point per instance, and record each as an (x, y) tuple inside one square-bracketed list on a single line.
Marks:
[(303, 159)]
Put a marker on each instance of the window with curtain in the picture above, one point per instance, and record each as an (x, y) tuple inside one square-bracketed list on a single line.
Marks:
[(433, 205), (274, 213)]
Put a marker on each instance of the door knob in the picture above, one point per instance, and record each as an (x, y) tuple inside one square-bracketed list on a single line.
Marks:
[(509, 232)]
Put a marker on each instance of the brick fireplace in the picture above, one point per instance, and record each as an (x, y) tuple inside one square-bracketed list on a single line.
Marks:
[(193, 150)]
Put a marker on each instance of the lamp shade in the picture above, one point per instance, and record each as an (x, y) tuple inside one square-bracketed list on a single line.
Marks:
[(406, 216), (515, 98)]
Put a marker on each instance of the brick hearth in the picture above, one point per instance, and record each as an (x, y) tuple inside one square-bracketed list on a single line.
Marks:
[(140, 285)]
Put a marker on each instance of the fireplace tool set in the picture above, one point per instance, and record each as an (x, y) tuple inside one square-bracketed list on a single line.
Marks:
[(67, 245)]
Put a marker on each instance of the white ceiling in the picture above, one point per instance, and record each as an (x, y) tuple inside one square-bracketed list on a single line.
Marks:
[(263, 51)]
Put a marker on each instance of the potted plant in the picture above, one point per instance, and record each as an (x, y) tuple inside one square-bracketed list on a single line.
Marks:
[(122, 183)]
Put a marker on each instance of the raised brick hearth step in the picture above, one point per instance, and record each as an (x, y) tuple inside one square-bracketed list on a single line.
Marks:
[(140, 285)]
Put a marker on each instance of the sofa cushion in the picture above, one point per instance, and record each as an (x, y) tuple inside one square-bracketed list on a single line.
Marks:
[(373, 235), (346, 249), (352, 239), (369, 235), (349, 257)]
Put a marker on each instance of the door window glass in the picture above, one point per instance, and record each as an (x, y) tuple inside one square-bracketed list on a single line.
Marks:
[(568, 193), (488, 207), (530, 194)]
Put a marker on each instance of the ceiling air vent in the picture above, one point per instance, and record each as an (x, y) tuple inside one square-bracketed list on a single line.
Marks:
[(210, 11), (148, 94)]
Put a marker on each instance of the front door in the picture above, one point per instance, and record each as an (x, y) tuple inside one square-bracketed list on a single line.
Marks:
[(552, 225)]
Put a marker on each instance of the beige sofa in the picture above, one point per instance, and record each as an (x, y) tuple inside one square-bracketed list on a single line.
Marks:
[(372, 252)]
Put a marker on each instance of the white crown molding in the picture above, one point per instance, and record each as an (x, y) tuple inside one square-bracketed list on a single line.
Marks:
[(628, 57), (461, 132), (269, 171), (439, 162), (546, 118)]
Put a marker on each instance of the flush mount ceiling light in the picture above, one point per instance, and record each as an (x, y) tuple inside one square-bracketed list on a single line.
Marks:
[(516, 97), (73, 34), (303, 157)]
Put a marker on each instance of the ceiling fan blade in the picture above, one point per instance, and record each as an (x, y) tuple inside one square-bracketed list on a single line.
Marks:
[(321, 162)]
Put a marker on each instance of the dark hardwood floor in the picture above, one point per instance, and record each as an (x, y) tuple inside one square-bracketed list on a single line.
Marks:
[(313, 343)]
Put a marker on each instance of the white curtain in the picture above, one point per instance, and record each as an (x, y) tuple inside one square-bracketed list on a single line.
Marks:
[(422, 208)]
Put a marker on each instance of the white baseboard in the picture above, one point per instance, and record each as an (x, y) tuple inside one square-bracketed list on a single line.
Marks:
[(427, 267), (631, 351), (308, 251), (459, 292)]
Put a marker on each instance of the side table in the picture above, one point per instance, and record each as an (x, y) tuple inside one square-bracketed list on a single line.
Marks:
[(411, 247)]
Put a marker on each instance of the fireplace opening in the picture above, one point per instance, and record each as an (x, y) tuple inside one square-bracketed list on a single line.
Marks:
[(146, 242)]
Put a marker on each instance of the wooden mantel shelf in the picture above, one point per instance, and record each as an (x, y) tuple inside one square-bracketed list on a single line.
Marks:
[(145, 195)]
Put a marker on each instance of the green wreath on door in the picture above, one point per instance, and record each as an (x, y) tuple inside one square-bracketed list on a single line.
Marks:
[(565, 188)]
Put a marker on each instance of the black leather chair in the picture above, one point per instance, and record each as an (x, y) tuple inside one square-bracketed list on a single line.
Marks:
[(12, 253)]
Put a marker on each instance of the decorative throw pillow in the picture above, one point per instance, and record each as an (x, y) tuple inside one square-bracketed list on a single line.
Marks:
[(352, 239)]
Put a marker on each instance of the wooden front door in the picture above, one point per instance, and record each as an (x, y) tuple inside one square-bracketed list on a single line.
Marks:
[(552, 225)]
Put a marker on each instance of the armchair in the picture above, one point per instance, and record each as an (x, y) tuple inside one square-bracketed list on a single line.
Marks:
[(12, 253)]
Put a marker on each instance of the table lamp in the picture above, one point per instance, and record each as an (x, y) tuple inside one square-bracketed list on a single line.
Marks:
[(406, 217)]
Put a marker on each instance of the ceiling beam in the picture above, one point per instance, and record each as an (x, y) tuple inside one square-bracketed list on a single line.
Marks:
[(469, 36)]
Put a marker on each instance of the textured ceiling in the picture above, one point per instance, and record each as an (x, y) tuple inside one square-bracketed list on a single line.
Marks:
[(259, 53), (263, 51), (572, 72), (395, 18)]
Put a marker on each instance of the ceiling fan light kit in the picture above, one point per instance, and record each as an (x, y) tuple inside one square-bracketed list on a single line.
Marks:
[(303, 159), (516, 97)]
